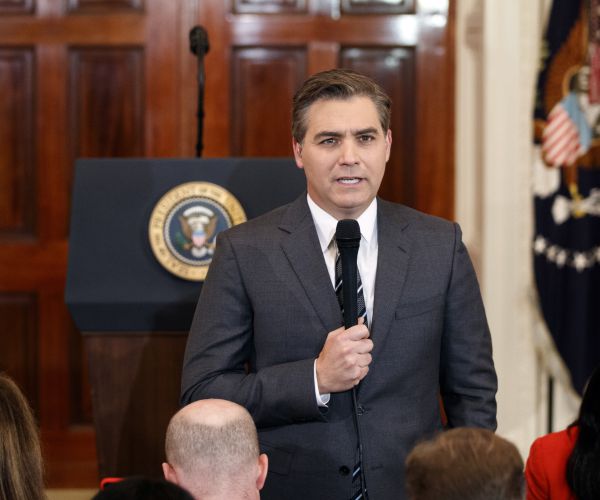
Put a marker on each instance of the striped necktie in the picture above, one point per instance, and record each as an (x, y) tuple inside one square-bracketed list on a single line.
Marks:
[(362, 313), (360, 298)]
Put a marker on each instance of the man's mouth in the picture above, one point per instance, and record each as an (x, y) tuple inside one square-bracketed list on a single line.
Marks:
[(349, 180)]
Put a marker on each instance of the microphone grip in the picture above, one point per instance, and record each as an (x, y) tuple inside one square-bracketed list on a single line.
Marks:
[(349, 285)]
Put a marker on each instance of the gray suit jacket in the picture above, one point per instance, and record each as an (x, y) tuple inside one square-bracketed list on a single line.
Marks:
[(265, 310)]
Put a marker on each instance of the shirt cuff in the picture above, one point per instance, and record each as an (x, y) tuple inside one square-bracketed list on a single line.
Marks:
[(322, 399)]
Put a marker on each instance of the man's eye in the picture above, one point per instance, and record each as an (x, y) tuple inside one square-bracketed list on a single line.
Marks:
[(366, 138), (329, 140)]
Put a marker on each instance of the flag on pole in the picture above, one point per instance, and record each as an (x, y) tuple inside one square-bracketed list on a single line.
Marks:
[(566, 243)]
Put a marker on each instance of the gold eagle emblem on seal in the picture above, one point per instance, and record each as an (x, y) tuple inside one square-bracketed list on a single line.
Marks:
[(184, 225)]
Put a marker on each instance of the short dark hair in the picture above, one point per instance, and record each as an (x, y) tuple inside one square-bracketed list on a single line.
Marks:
[(142, 488), (584, 461), (465, 464), (339, 84)]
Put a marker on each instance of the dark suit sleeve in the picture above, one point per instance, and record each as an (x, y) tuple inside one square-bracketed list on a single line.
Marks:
[(220, 347), (468, 380)]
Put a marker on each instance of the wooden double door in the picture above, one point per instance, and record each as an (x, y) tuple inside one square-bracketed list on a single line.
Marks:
[(115, 78), (261, 51)]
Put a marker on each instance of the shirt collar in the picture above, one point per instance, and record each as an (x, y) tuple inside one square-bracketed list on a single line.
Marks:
[(327, 224)]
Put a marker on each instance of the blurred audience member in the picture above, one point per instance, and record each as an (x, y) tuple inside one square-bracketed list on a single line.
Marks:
[(465, 464), (566, 464), (142, 488), (212, 451), (21, 467)]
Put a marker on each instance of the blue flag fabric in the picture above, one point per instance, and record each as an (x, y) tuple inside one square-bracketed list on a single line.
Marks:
[(566, 245)]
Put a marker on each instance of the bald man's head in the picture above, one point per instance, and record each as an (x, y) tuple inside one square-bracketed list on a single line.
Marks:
[(212, 445)]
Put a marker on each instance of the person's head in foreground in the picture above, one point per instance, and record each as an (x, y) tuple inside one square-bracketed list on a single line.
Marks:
[(465, 464), (583, 467), (142, 488), (212, 451), (21, 466)]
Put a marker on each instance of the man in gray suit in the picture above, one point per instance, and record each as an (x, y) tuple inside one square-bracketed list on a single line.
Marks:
[(267, 334)]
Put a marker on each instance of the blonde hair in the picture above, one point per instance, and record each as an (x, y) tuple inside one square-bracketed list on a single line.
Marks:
[(21, 466)]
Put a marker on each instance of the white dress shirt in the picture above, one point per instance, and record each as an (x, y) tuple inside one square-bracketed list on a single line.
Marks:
[(366, 260)]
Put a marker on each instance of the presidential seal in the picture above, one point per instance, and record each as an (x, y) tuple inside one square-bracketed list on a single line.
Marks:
[(184, 224)]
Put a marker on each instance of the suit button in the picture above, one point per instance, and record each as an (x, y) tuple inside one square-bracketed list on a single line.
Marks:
[(360, 410), (344, 471)]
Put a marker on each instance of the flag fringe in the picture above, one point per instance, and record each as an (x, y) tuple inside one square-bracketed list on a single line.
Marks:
[(548, 355)]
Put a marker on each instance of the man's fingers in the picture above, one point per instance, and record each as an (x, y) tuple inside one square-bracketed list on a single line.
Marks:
[(364, 360), (363, 372), (344, 360), (357, 332), (364, 346)]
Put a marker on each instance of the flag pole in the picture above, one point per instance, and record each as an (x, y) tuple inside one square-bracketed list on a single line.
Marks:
[(550, 401)]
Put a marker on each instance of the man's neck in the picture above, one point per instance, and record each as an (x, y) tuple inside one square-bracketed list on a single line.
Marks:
[(340, 214), (230, 495)]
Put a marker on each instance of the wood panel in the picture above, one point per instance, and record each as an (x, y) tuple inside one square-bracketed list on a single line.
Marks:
[(268, 6), (103, 6), (264, 79), (434, 173), (17, 176), (68, 444), (378, 6), (18, 338), (16, 6), (106, 86), (53, 165), (393, 68), (80, 391), (146, 367), (85, 78)]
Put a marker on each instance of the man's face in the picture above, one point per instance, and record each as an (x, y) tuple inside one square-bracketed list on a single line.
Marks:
[(343, 155)]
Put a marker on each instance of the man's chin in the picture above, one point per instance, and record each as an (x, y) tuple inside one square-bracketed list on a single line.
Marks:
[(352, 209)]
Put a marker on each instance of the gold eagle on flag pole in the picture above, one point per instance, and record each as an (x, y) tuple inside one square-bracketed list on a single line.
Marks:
[(569, 143)]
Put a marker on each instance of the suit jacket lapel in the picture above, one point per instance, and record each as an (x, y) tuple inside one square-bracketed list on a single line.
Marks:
[(303, 252), (392, 265)]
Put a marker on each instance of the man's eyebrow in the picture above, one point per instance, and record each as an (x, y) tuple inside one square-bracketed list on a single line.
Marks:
[(327, 133), (332, 133), (364, 131)]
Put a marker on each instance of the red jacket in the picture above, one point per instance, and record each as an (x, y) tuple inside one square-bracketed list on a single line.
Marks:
[(546, 469)]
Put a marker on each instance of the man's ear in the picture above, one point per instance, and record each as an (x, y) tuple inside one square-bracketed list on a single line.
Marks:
[(297, 147), (388, 140), (169, 473), (263, 467)]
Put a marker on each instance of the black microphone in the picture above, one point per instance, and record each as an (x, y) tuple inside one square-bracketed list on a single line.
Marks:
[(347, 236)]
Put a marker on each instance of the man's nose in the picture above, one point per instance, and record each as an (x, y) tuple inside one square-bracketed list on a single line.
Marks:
[(348, 153)]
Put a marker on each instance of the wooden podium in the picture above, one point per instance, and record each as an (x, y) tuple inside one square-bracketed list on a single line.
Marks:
[(134, 315)]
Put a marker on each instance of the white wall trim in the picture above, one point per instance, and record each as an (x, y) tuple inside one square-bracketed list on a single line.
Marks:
[(497, 61)]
